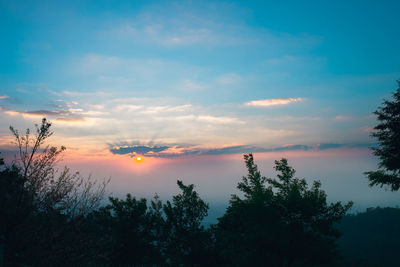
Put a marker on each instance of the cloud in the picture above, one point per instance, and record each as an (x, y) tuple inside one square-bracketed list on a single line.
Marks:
[(168, 35), (69, 115), (367, 129), (165, 109), (219, 120), (128, 108), (251, 149), (116, 74), (38, 113), (61, 119), (11, 112), (4, 96), (176, 25), (179, 151), (191, 86), (342, 118), (137, 149), (328, 146), (81, 94), (163, 151), (273, 102), (335, 146), (44, 113)]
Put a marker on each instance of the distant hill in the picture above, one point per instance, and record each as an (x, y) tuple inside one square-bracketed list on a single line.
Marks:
[(371, 238)]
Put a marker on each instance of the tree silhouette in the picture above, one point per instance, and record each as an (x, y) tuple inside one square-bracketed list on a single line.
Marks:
[(186, 241), (387, 132), (128, 231), (137, 234), (42, 210), (279, 222)]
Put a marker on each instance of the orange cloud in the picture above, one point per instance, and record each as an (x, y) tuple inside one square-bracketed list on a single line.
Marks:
[(273, 102), (11, 112)]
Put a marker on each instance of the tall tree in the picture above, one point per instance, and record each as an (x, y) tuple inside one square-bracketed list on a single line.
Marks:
[(279, 222), (186, 242), (42, 209), (387, 132)]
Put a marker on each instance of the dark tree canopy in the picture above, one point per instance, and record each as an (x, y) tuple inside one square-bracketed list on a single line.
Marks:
[(186, 240), (128, 230), (387, 132), (279, 222), (137, 234)]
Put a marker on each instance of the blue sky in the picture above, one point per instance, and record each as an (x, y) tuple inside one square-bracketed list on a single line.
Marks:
[(173, 79)]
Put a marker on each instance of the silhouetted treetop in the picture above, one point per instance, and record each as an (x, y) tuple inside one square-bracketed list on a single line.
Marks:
[(43, 208), (279, 222), (387, 132)]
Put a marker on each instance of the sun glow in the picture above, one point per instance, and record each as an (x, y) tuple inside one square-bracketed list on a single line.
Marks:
[(139, 159)]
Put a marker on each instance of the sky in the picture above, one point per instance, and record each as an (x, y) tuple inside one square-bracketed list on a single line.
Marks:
[(192, 85)]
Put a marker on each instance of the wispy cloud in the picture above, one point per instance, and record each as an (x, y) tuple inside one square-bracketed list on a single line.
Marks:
[(368, 130), (163, 35), (11, 112), (219, 120), (4, 96), (195, 25), (164, 151), (165, 109), (60, 115), (44, 113), (192, 86), (342, 118), (70, 119), (273, 102), (137, 149)]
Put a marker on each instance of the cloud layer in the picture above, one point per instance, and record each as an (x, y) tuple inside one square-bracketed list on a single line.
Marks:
[(181, 151)]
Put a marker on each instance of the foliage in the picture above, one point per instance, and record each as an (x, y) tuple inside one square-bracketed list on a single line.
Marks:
[(279, 222), (37, 198), (137, 234), (186, 241), (67, 192), (129, 236), (387, 132)]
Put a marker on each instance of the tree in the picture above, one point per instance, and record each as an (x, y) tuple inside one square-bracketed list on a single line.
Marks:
[(387, 132), (186, 242), (279, 222), (137, 234), (43, 209), (129, 233)]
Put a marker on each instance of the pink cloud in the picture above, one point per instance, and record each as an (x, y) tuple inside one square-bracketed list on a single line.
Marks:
[(342, 118), (273, 102)]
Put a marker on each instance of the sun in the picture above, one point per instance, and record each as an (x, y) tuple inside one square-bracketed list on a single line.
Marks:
[(139, 159)]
